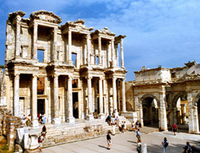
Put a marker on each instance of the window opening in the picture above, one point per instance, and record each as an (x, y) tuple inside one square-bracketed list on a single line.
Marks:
[(97, 60), (74, 59), (40, 55), (75, 83)]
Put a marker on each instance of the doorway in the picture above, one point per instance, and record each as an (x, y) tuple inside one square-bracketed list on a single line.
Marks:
[(41, 106), (75, 104)]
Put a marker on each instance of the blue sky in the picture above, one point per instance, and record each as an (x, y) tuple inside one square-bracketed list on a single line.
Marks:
[(159, 32)]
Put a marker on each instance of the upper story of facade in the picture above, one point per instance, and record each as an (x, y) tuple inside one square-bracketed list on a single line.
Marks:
[(40, 40), (189, 72)]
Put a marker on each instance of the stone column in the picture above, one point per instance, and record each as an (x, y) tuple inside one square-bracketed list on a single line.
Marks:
[(35, 36), (113, 53), (109, 54), (17, 37), (183, 113), (56, 119), (16, 95), (122, 53), (191, 113), (70, 62), (85, 50), (196, 120), (114, 93), (90, 114), (34, 102), (101, 98), (88, 49), (141, 114), (163, 114), (99, 49), (70, 118), (123, 96), (55, 44)]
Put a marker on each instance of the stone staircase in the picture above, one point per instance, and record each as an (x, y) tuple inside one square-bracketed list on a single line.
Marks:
[(81, 129)]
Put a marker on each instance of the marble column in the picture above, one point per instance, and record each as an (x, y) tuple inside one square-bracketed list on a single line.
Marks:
[(123, 96), (99, 49), (16, 95), (35, 37), (17, 37), (34, 102), (90, 113), (141, 120), (70, 118), (163, 114), (109, 53), (114, 93), (191, 113), (56, 119), (183, 107), (70, 62), (85, 50), (55, 56), (88, 49), (113, 53), (122, 53), (196, 120), (101, 115)]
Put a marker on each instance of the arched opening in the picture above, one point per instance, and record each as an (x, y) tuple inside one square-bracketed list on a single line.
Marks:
[(150, 112), (180, 111), (198, 107)]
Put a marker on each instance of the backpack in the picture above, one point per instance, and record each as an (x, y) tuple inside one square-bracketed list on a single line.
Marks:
[(166, 144)]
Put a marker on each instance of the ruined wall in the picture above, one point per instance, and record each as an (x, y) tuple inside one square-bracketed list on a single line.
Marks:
[(2, 89), (130, 105)]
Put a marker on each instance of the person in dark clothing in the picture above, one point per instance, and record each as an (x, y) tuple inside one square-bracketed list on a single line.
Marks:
[(109, 140), (187, 148), (44, 131)]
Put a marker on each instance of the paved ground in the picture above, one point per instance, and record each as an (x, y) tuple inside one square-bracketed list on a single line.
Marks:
[(126, 143)]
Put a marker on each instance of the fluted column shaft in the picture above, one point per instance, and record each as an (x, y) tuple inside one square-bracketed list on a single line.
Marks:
[(17, 36), (99, 49), (123, 96), (55, 44), (16, 95), (122, 53), (35, 37), (114, 94), (69, 45)]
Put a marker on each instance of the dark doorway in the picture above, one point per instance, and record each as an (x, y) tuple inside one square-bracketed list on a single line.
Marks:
[(41, 106), (150, 113), (75, 104)]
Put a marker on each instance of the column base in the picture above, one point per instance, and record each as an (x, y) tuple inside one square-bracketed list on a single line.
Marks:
[(56, 121), (90, 117), (35, 123), (70, 62), (70, 120), (101, 116)]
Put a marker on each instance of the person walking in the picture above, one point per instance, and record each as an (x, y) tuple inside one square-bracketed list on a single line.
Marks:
[(165, 144), (187, 148), (174, 128), (138, 135), (109, 140)]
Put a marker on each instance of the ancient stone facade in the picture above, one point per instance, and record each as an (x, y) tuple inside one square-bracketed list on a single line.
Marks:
[(63, 71), (163, 96)]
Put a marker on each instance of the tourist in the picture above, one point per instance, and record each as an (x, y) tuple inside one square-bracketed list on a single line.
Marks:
[(44, 131), (138, 135), (187, 148), (40, 139), (28, 120), (122, 126), (44, 119), (23, 119), (137, 125), (133, 126), (125, 126), (174, 128), (109, 140), (117, 121), (108, 119), (165, 144), (115, 113), (112, 121)]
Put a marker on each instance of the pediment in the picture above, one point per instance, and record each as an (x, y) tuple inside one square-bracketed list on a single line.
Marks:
[(46, 16)]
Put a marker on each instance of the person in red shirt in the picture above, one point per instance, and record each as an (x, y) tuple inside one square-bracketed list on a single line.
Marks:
[(174, 128)]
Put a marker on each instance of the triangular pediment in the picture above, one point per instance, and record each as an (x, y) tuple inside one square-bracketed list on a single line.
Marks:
[(46, 16)]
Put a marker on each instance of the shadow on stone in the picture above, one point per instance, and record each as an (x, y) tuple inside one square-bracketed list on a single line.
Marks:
[(102, 146)]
